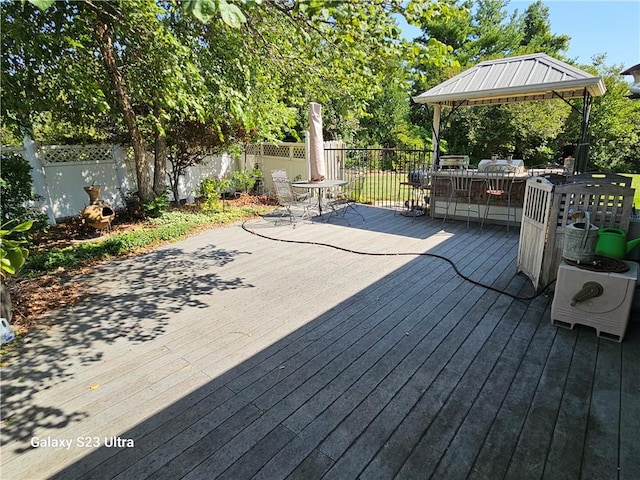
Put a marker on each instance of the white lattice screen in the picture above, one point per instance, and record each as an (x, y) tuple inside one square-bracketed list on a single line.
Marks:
[(293, 150), (298, 151), (252, 149), (75, 153)]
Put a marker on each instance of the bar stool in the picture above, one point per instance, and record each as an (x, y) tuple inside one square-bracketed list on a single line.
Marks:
[(461, 187), (499, 187)]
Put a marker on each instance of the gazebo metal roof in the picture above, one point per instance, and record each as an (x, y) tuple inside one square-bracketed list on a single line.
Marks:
[(514, 79)]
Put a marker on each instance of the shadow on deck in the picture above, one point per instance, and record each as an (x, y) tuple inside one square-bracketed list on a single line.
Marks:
[(303, 361)]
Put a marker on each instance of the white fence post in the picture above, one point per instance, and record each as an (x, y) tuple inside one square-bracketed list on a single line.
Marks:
[(119, 160), (307, 152), (38, 176)]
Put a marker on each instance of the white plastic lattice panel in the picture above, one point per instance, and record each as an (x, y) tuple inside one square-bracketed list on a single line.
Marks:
[(609, 205), (276, 150), (298, 151), (252, 149), (606, 204), (75, 153), (533, 230)]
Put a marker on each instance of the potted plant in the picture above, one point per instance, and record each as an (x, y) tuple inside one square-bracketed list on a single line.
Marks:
[(12, 256)]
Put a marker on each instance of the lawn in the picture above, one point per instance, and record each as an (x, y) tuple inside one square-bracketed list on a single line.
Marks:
[(383, 186), (635, 183)]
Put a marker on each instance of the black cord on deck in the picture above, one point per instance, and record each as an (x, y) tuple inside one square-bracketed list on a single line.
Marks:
[(413, 254)]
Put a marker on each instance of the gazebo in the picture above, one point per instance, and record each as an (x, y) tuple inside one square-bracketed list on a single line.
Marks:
[(517, 79)]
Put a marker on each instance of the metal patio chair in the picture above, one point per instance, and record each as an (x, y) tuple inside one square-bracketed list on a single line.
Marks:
[(293, 203), (499, 187), (461, 188), (345, 200), (431, 189)]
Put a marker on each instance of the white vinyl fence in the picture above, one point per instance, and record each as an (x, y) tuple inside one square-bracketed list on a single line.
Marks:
[(292, 157), (60, 173)]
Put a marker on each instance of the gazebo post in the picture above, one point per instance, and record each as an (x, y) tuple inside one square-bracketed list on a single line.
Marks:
[(582, 156), (435, 135)]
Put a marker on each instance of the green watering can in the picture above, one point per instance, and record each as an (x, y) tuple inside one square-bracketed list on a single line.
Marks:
[(612, 243)]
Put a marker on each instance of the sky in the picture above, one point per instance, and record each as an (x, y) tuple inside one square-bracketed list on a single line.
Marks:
[(595, 27)]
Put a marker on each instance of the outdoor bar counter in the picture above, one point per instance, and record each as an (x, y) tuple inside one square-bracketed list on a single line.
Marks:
[(440, 188)]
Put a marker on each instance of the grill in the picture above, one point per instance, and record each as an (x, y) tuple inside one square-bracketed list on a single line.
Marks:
[(454, 161)]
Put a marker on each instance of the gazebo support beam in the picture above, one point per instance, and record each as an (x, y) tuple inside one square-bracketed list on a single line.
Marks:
[(582, 156), (435, 135)]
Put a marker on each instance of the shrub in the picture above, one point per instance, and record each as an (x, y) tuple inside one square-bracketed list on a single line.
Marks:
[(246, 181), (16, 192), (12, 251), (158, 206), (210, 190)]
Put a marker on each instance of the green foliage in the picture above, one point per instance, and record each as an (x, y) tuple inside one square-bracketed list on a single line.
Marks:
[(158, 206), (534, 131), (210, 191), (188, 143), (244, 181), (16, 191), (206, 10), (172, 226), (12, 251), (614, 127), (16, 186), (41, 4), (537, 36), (255, 83)]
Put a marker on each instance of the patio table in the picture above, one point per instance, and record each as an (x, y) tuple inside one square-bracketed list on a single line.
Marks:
[(319, 186)]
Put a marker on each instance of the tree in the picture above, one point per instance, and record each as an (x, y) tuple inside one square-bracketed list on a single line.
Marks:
[(104, 36), (187, 144), (614, 128), (249, 84), (121, 23), (536, 30), (532, 129)]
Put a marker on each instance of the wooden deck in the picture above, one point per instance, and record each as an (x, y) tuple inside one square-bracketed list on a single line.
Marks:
[(229, 355)]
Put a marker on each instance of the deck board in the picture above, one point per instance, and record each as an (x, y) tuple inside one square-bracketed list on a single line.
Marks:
[(237, 356), (509, 342), (571, 424)]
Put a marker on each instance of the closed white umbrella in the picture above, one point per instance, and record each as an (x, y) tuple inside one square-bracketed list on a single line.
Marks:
[(316, 153)]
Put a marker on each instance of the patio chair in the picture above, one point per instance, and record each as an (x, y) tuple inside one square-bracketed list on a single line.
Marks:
[(292, 201), (461, 187), (346, 199), (499, 187)]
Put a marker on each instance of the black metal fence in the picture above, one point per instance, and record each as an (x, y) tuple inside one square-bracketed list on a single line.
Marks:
[(385, 171)]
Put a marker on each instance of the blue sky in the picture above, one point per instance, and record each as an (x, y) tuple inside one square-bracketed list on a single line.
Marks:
[(611, 27)]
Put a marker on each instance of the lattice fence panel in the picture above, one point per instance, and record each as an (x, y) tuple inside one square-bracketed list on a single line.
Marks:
[(75, 153), (298, 151), (252, 149), (276, 151)]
